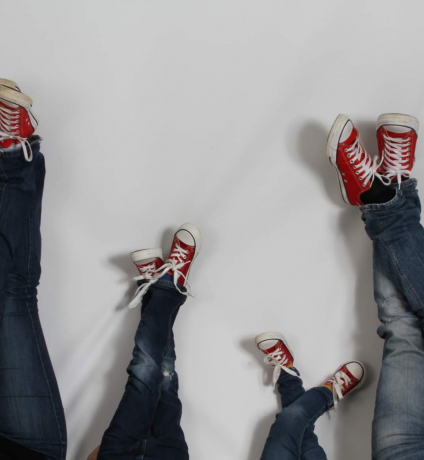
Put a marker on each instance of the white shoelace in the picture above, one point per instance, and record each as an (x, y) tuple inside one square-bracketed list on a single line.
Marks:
[(339, 381), (366, 168), (396, 154), (175, 262), (9, 129), (279, 359)]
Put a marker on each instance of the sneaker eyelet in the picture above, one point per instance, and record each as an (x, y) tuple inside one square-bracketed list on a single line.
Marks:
[(357, 172), (351, 162), (345, 150), (363, 185)]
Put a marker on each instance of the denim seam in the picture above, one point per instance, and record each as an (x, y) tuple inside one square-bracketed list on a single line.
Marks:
[(38, 345), (161, 384)]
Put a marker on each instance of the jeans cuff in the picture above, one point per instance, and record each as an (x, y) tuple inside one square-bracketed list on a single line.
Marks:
[(382, 206)]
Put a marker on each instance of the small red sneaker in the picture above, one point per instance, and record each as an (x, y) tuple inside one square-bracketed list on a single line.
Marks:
[(185, 248), (277, 352), (397, 136), (348, 377), (16, 122), (355, 168), (148, 263)]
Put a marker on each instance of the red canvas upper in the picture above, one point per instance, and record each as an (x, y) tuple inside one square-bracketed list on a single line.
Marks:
[(280, 346), (346, 163), (391, 159), (182, 254), (17, 123)]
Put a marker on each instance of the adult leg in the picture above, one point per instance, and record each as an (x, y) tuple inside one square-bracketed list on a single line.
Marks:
[(31, 412), (129, 433), (398, 242)]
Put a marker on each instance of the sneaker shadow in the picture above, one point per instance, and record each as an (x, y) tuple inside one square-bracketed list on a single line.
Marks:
[(261, 431), (351, 418)]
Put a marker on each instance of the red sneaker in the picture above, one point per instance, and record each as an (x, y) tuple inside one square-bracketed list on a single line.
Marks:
[(355, 168), (348, 377), (397, 136), (148, 263), (185, 248), (277, 352), (16, 122)]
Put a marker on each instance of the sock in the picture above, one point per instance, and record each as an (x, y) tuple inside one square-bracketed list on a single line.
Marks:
[(379, 193), (168, 277)]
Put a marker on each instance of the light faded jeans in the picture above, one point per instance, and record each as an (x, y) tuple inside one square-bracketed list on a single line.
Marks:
[(398, 242)]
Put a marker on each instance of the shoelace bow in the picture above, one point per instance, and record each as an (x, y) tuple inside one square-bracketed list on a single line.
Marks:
[(9, 129), (278, 358), (367, 168), (339, 381), (396, 154), (175, 262)]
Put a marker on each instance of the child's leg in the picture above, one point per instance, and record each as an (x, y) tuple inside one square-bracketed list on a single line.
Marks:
[(128, 433), (166, 441), (290, 389), (287, 433)]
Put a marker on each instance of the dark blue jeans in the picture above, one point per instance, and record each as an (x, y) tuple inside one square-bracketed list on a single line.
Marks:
[(31, 412), (398, 242), (292, 434), (146, 425)]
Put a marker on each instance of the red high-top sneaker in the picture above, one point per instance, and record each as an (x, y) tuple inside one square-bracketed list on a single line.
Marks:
[(185, 248), (148, 263), (348, 377), (16, 122), (355, 168), (397, 136), (277, 352)]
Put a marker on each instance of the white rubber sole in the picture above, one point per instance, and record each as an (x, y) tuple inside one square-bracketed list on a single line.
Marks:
[(272, 335), (15, 97), (9, 84), (144, 254), (332, 145), (398, 119)]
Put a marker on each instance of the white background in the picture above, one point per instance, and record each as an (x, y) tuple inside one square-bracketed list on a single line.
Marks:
[(154, 113)]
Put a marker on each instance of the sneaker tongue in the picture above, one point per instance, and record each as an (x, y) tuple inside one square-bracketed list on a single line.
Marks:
[(352, 138), (397, 135)]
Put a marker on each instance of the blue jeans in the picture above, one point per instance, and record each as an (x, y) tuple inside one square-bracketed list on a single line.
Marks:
[(146, 425), (31, 412), (398, 242), (292, 434)]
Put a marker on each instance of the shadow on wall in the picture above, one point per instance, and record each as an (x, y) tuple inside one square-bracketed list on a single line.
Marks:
[(261, 430), (350, 418), (122, 349)]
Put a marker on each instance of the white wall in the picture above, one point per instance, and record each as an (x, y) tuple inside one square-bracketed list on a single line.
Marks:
[(154, 113)]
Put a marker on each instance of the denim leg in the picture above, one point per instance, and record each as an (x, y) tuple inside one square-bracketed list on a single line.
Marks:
[(31, 412), (398, 242), (166, 441), (290, 389), (286, 439), (128, 434)]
